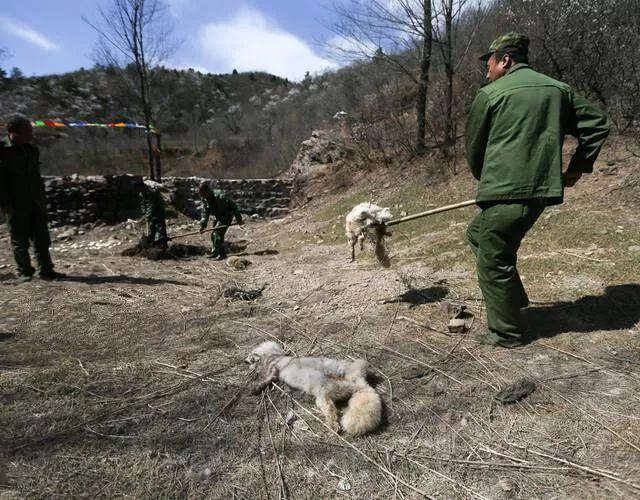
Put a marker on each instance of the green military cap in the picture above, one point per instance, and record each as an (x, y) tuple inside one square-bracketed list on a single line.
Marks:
[(513, 43)]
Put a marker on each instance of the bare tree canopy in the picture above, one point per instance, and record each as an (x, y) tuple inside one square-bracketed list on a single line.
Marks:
[(133, 31), (385, 30), (138, 33)]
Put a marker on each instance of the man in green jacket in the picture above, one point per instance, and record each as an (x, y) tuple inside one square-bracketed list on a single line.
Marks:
[(152, 206), (216, 204), (514, 138), (22, 198)]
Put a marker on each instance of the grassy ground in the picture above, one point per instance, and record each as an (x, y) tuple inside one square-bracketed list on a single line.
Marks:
[(127, 379)]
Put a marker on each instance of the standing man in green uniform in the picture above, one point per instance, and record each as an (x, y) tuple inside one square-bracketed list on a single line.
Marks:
[(22, 198), (216, 204), (515, 131), (152, 206)]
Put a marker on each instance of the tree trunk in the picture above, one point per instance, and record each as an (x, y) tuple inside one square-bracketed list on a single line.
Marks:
[(448, 64), (157, 157), (423, 84)]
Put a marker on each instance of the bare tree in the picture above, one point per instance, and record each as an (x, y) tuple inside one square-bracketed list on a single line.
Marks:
[(453, 44), (398, 32), (423, 85), (136, 32)]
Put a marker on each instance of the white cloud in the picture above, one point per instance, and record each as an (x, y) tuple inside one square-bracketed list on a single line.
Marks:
[(27, 34), (250, 42)]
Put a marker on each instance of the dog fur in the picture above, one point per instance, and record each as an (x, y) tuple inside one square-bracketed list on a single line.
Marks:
[(357, 221), (328, 380)]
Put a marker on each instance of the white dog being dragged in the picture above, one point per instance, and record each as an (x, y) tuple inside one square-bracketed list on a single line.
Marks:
[(358, 221), (328, 380)]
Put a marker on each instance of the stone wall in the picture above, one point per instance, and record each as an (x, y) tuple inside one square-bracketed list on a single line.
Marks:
[(114, 198)]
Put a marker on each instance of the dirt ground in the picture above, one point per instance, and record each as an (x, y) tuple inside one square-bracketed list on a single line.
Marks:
[(127, 378)]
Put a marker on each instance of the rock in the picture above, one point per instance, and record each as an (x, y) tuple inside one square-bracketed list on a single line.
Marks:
[(453, 310), (300, 425), (507, 487), (291, 418), (68, 234), (457, 325), (634, 248), (205, 474), (344, 485)]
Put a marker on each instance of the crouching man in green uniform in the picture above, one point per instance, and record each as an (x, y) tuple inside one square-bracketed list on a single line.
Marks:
[(22, 198), (152, 206), (216, 204), (515, 131)]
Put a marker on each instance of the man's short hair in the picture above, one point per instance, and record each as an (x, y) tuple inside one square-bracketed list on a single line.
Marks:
[(515, 56), (17, 122)]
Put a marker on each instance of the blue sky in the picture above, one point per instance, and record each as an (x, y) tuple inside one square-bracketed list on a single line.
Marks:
[(279, 36)]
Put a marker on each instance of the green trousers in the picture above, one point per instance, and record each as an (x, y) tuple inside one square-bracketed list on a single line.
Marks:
[(30, 224), (157, 230), (217, 241), (495, 236)]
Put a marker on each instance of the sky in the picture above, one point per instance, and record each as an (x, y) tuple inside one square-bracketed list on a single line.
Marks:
[(283, 37)]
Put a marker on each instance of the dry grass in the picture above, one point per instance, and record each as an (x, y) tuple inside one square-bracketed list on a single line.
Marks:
[(127, 379)]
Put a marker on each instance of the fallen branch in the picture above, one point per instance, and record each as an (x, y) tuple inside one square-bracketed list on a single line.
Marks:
[(382, 346), (109, 435), (422, 325), (283, 484), (491, 464), (446, 478), (584, 468)]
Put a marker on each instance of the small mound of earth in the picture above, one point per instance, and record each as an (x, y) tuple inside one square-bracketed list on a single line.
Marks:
[(238, 263), (235, 292), (149, 250), (180, 250)]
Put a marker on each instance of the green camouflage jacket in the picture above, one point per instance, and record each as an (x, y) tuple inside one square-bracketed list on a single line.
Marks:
[(220, 207), (21, 185), (515, 131), (152, 204)]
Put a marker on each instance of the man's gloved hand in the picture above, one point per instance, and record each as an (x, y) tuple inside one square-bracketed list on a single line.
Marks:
[(570, 177), (240, 222), (202, 228)]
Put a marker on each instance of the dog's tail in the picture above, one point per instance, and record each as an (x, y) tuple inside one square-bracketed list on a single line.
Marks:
[(363, 413)]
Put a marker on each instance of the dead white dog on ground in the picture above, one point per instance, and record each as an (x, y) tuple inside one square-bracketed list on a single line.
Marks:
[(360, 220), (328, 380)]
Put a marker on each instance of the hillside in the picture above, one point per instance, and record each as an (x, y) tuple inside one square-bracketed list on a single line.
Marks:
[(128, 377), (233, 125)]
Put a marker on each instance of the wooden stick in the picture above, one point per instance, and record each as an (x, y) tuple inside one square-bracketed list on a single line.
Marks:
[(194, 233), (422, 325), (384, 347), (283, 484), (445, 477), (490, 464), (446, 208), (596, 472)]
